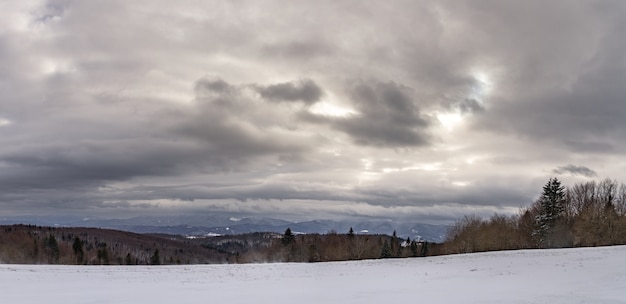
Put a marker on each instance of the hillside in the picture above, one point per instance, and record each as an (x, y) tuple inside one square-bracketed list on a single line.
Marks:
[(27, 244), (581, 275)]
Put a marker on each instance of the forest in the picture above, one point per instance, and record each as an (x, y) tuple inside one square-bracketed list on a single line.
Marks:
[(586, 214), (28, 244)]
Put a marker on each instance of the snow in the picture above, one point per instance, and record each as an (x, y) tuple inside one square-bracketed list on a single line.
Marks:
[(584, 275)]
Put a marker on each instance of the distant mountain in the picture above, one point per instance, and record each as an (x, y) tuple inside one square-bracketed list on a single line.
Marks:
[(202, 225)]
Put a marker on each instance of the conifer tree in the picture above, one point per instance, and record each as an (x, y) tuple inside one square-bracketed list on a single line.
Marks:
[(52, 248), (385, 251), (78, 250), (103, 254), (288, 237), (552, 207), (394, 243), (155, 259)]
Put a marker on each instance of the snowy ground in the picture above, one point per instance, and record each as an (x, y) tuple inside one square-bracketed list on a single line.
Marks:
[(588, 275)]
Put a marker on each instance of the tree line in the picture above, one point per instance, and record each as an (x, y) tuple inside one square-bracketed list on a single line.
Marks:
[(586, 214), (334, 246)]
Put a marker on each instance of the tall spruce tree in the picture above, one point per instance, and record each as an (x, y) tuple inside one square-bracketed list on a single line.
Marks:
[(155, 259), (552, 208), (394, 244), (288, 237), (51, 247), (385, 252), (78, 250)]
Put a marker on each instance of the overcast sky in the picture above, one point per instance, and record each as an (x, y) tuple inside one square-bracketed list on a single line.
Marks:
[(427, 110)]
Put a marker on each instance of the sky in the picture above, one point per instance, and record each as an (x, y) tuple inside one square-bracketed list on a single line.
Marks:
[(421, 110)]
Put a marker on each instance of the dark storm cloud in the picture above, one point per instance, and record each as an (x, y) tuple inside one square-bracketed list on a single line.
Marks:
[(232, 126), (305, 90), (223, 131), (575, 170), (60, 165), (476, 196), (387, 117)]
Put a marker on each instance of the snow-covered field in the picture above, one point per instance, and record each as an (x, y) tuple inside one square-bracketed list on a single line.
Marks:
[(587, 275)]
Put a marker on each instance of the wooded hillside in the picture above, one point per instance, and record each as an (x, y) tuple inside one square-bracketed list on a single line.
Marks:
[(27, 244), (585, 214)]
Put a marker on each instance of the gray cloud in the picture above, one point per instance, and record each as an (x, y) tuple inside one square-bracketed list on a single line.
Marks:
[(305, 90), (575, 170), (416, 104), (565, 88), (469, 106), (317, 48), (387, 117), (205, 87)]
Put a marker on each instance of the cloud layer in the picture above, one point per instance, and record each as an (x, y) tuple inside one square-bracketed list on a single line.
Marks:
[(417, 109)]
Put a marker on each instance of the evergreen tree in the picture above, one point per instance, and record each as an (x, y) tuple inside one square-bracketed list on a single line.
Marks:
[(395, 247), (52, 248), (103, 255), (552, 208), (385, 251), (78, 250), (155, 259), (288, 237), (424, 249), (351, 232), (129, 259)]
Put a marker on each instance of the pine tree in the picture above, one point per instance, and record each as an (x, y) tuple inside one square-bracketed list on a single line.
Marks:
[(385, 251), (394, 244), (288, 237), (103, 254), (78, 250), (552, 208), (424, 249), (155, 259), (51, 247), (351, 232)]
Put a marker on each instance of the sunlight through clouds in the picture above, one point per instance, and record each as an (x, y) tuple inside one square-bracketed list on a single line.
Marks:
[(4, 122), (326, 108), (450, 120), (482, 87)]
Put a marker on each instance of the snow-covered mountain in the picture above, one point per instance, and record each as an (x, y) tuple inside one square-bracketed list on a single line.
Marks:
[(196, 225), (434, 233)]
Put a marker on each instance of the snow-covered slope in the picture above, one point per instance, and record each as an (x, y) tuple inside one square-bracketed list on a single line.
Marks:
[(586, 275)]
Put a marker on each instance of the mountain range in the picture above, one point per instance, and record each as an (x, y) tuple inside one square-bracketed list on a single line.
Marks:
[(215, 225)]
